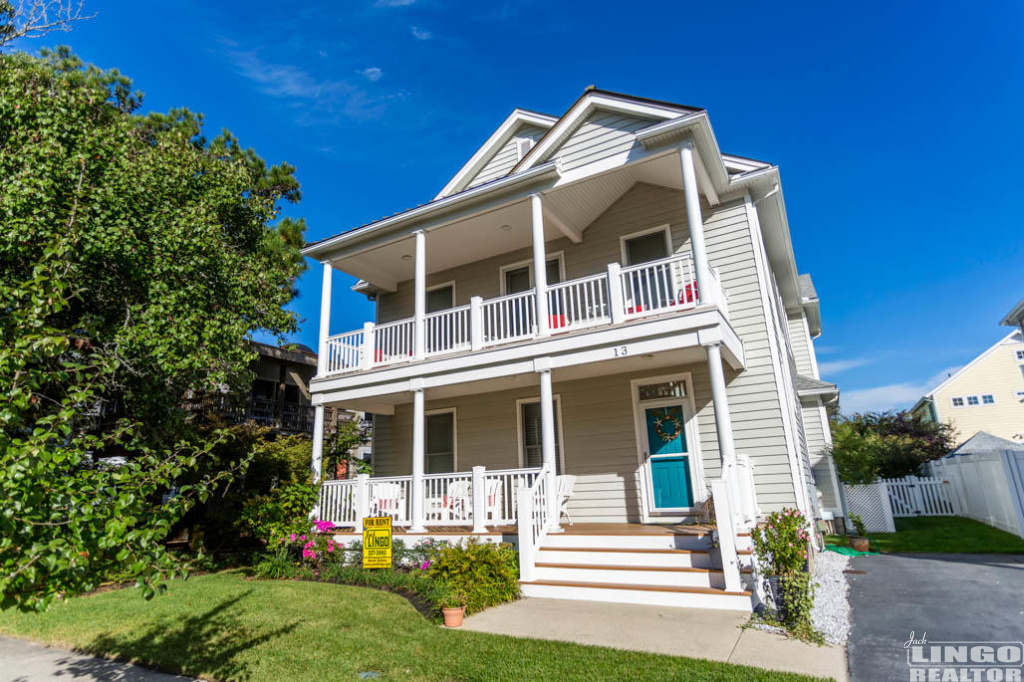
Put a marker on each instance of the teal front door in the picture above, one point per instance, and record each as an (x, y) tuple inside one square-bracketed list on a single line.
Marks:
[(669, 457)]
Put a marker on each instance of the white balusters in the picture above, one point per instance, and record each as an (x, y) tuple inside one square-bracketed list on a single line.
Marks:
[(509, 318), (345, 351), (393, 342), (448, 330), (578, 303), (659, 286), (338, 503)]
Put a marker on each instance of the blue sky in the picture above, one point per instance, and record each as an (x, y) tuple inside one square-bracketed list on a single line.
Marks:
[(896, 127)]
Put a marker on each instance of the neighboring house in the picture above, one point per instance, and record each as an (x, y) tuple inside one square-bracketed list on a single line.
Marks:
[(986, 394), (598, 317)]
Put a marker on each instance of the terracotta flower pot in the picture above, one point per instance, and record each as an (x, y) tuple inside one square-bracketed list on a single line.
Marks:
[(860, 544), (453, 617)]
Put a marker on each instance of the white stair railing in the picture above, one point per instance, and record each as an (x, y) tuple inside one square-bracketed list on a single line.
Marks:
[(502, 487), (533, 523), (735, 511)]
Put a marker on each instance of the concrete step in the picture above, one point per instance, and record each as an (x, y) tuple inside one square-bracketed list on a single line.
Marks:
[(655, 595)]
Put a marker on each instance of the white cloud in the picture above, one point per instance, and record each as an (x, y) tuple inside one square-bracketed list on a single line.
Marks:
[(281, 80), (890, 396), (824, 350), (373, 73), (322, 53), (836, 366), (419, 33), (393, 3)]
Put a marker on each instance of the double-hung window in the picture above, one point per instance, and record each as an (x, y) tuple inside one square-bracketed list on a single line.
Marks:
[(440, 445), (530, 437)]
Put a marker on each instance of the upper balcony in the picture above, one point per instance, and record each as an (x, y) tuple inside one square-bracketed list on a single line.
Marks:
[(617, 296)]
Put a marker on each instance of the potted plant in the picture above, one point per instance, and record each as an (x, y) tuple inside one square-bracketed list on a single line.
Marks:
[(453, 607), (859, 541), (781, 547)]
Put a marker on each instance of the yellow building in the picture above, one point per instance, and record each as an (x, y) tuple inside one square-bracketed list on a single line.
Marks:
[(987, 394)]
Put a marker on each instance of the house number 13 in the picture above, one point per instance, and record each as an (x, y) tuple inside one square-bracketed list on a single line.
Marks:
[(620, 351)]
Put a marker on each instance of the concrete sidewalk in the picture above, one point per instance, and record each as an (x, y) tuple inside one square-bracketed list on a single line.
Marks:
[(696, 633), (27, 662)]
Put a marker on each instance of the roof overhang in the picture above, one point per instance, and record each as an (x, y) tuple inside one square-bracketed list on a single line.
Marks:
[(1015, 318)]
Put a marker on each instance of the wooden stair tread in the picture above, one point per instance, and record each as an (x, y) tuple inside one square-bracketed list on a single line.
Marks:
[(632, 550), (664, 569), (641, 588)]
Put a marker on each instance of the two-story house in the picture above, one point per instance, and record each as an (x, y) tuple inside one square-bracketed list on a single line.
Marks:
[(596, 328)]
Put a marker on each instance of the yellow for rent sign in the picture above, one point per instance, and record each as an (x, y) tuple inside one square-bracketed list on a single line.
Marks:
[(377, 542)]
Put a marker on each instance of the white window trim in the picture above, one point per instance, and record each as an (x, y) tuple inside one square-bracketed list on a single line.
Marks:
[(700, 488), (957, 397), (976, 397), (561, 429), (1018, 395), (455, 436), (641, 233), (1018, 354), (555, 255), (443, 285), (990, 395)]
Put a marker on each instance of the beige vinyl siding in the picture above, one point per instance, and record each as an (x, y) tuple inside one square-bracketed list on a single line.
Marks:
[(999, 373), (507, 157), (602, 135), (801, 344), (817, 445), (757, 412)]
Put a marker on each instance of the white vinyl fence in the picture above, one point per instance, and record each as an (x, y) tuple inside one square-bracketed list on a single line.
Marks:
[(871, 503), (989, 486), (921, 496)]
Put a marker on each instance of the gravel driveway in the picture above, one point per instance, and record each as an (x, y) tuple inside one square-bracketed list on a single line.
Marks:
[(951, 597)]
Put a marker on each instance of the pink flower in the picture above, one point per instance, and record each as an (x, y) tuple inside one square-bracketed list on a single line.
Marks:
[(308, 554), (324, 526), (791, 544), (425, 565), (330, 548), (302, 537), (293, 537)]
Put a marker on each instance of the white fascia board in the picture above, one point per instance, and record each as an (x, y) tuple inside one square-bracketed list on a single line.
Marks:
[(491, 147), (1015, 317), (960, 372), (698, 127), (660, 334), (496, 188), (740, 164), (575, 117)]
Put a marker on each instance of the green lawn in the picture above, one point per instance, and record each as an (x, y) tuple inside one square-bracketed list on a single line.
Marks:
[(223, 626), (952, 534)]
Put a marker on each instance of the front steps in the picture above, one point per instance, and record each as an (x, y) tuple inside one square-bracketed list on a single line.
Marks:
[(667, 569)]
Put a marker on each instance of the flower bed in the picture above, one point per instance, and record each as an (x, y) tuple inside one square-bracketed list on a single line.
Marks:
[(429, 574)]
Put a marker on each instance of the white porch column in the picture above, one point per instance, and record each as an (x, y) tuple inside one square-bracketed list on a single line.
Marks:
[(540, 265), (695, 222), (547, 431), (318, 443), (322, 366), (418, 456), (720, 401), (419, 324)]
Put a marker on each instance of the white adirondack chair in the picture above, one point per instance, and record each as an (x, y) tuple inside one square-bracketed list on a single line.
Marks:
[(459, 501), (388, 500), (495, 488), (565, 485)]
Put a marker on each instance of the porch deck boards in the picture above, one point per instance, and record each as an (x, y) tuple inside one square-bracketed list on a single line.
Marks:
[(575, 529)]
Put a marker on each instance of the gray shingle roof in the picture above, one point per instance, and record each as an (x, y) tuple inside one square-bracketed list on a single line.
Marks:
[(983, 441)]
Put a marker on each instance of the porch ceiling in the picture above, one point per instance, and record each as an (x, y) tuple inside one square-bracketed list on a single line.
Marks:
[(569, 206)]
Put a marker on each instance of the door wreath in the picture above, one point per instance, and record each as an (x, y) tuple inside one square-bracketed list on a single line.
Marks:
[(663, 433)]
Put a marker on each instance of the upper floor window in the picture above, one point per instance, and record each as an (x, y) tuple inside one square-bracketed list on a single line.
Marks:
[(441, 297), (1020, 354), (988, 399), (440, 445), (972, 400), (518, 277), (958, 402), (1019, 395), (646, 246)]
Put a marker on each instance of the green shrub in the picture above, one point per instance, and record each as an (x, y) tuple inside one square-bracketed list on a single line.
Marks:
[(487, 574), (281, 512), (858, 525), (275, 565)]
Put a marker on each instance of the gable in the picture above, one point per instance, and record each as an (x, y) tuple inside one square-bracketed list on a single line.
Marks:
[(509, 154), (602, 135)]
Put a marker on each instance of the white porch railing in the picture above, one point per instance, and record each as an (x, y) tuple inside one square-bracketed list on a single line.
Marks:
[(509, 318), (736, 511), (533, 523), (449, 499), (620, 294)]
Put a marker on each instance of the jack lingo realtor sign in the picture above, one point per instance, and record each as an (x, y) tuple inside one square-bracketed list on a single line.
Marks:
[(963, 661)]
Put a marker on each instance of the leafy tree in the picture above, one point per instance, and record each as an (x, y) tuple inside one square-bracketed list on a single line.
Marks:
[(349, 434), (875, 445), (136, 258)]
